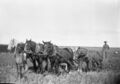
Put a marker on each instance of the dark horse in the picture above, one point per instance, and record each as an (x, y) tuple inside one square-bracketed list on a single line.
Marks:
[(34, 51), (60, 55), (80, 55)]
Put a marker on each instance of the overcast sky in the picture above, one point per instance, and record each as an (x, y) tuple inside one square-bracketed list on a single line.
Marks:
[(64, 22)]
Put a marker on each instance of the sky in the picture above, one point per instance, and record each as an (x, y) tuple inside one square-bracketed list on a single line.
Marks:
[(63, 22)]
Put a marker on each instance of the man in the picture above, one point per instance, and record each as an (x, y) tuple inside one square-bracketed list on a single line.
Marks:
[(105, 49)]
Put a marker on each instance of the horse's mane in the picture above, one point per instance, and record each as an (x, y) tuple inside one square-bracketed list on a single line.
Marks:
[(32, 45)]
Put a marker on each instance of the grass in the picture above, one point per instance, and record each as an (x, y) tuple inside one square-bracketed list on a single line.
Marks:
[(108, 77)]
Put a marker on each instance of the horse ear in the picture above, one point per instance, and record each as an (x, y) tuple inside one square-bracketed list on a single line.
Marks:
[(79, 47), (43, 42)]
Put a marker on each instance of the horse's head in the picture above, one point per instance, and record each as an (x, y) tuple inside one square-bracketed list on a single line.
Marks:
[(48, 48), (80, 52), (20, 47), (12, 45), (29, 46), (39, 48)]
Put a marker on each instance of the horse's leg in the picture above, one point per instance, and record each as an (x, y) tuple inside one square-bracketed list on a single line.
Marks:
[(80, 66), (20, 72), (17, 69), (72, 64), (53, 65), (34, 65), (17, 66), (87, 62), (24, 65), (83, 66), (48, 64), (57, 67), (50, 68), (46, 67), (39, 65), (43, 66)]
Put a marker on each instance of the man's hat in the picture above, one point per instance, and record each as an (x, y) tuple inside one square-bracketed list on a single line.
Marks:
[(105, 41)]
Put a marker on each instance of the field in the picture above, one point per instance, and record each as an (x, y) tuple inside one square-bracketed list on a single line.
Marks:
[(109, 75)]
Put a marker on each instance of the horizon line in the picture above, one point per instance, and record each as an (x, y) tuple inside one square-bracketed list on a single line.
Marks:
[(74, 46)]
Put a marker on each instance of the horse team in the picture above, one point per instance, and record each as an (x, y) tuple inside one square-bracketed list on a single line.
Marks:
[(51, 58)]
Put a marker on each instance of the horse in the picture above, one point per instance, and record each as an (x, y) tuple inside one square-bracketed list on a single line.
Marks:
[(20, 59), (35, 53), (63, 55), (95, 60), (80, 57), (17, 48)]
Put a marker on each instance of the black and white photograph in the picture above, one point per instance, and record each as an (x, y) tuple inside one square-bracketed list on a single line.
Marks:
[(60, 41)]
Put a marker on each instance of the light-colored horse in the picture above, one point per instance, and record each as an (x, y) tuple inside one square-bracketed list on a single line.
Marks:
[(20, 57)]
